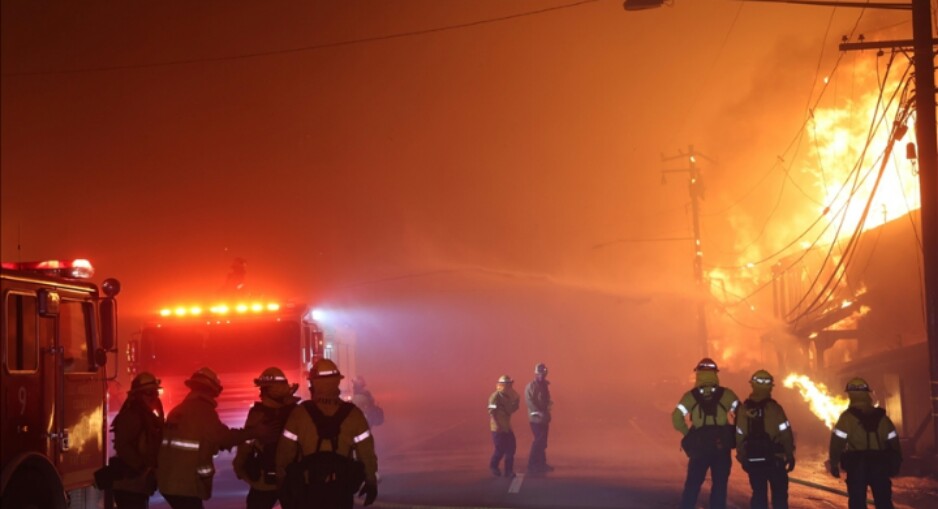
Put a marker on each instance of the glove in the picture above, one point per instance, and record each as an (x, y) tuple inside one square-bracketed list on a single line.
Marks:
[(789, 463), (835, 471), (370, 492)]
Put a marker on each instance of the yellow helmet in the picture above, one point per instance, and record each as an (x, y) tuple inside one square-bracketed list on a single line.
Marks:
[(144, 381), (271, 376), (706, 364), (762, 377), (324, 368), (857, 385), (207, 378)]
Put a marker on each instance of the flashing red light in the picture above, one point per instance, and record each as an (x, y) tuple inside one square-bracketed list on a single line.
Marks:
[(221, 309), (78, 268)]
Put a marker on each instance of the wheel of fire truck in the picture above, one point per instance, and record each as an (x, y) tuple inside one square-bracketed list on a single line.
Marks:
[(34, 484)]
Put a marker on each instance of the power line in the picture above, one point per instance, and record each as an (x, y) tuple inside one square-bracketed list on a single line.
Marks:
[(827, 291), (336, 44), (858, 182)]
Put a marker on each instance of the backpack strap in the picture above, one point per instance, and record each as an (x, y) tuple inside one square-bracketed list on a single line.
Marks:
[(709, 405), (328, 426), (870, 422), (759, 407)]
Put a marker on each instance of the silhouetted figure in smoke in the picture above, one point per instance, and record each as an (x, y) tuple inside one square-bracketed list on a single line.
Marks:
[(234, 283), (537, 397), (364, 400)]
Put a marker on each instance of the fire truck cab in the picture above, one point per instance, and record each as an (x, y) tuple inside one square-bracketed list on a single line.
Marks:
[(56, 333)]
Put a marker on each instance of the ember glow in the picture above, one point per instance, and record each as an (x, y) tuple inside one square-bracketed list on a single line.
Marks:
[(824, 405)]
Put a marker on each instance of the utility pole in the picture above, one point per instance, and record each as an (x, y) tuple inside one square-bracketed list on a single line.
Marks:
[(927, 148), (927, 142), (695, 188)]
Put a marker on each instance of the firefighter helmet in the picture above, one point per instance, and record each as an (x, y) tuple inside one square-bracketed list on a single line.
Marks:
[(505, 379), (270, 376), (762, 377), (144, 381), (324, 368), (857, 385), (206, 378), (706, 364), (540, 369)]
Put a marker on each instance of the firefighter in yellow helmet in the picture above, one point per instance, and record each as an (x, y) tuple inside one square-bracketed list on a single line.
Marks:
[(865, 443), (326, 452), (502, 403), (706, 417), (192, 436), (255, 460), (765, 445), (138, 431)]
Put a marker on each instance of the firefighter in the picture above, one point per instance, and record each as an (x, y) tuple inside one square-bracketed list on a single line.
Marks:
[(865, 443), (706, 417), (502, 403), (326, 452), (364, 400), (255, 460), (138, 430), (765, 445), (537, 397), (193, 434)]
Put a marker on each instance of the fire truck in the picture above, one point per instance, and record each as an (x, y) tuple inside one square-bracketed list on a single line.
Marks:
[(237, 339), (57, 332)]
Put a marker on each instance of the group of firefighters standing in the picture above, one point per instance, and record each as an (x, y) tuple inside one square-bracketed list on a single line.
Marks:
[(320, 452), (504, 402), (713, 422), (315, 453)]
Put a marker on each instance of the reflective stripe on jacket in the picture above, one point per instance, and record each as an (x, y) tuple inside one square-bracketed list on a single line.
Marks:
[(777, 427), (300, 439), (850, 435), (537, 398), (193, 434), (501, 405), (688, 413), (275, 414)]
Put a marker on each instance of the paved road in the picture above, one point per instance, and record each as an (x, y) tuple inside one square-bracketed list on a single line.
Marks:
[(632, 460)]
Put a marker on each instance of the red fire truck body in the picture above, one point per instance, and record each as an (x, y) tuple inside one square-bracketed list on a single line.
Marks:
[(236, 340), (56, 332)]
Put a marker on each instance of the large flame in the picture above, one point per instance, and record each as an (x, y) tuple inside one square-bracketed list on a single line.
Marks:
[(824, 405), (839, 135)]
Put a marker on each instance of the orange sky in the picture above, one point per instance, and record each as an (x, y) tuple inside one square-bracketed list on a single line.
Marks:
[(516, 145)]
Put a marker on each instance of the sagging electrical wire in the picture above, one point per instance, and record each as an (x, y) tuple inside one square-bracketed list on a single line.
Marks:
[(826, 293), (855, 175)]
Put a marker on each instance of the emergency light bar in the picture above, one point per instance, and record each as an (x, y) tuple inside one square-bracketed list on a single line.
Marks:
[(78, 268), (224, 309)]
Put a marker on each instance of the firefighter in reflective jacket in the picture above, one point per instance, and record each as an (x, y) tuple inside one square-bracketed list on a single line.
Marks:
[(255, 460), (301, 443), (192, 436), (138, 431), (706, 417), (537, 398), (765, 445), (502, 403), (865, 443)]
